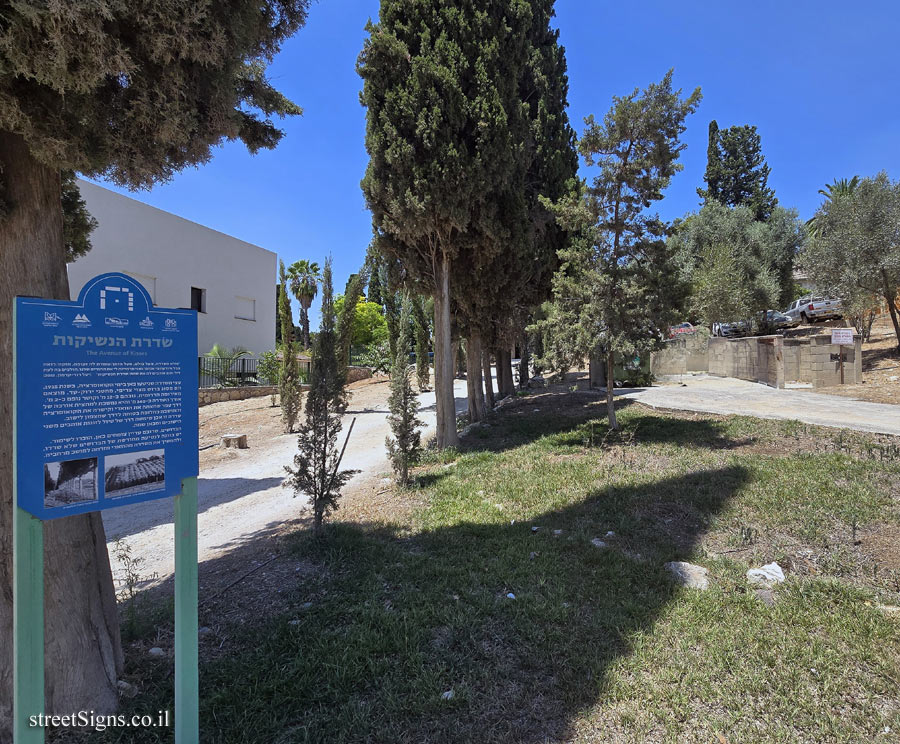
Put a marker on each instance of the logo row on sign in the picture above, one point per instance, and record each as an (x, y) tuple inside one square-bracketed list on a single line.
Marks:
[(52, 320)]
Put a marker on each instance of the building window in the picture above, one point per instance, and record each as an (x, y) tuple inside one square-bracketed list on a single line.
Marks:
[(198, 299), (245, 308)]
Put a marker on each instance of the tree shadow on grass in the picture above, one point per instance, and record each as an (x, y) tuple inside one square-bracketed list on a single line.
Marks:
[(371, 627)]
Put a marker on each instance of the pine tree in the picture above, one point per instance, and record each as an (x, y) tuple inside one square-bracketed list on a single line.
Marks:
[(404, 449), (132, 92), (78, 224), (316, 465), (289, 390), (614, 291)]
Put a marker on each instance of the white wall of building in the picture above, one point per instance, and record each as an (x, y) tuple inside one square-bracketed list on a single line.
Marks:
[(169, 255)]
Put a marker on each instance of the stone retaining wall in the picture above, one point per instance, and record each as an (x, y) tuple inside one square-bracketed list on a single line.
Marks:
[(217, 395)]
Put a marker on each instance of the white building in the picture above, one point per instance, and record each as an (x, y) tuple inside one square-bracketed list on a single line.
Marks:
[(182, 264)]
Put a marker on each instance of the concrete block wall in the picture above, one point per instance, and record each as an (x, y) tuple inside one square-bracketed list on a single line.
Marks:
[(688, 352), (809, 360), (770, 361)]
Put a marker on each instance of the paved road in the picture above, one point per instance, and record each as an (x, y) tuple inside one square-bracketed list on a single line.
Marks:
[(727, 395)]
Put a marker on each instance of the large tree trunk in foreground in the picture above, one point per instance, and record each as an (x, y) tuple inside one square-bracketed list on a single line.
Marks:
[(488, 384), (610, 389), (890, 298), (83, 651), (473, 378), (443, 358)]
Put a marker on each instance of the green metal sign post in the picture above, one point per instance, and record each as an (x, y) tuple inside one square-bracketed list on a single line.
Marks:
[(187, 701), (28, 624)]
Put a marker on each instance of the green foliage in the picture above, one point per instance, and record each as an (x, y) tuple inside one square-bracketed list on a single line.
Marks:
[(405, 448), (316, 465), (736, 171), (377, 357), (226, 359), (855, 253), (845, 187), (91, 99), (369, 324), (346, 323), (735, 264), (78, 224), (289, 390), (423, 339), (268, 368), (614, 291)]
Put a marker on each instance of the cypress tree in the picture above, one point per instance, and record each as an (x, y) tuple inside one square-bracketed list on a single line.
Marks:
[(404, 448), (423, 336), (353, 291), (289, 390), (316, 465)]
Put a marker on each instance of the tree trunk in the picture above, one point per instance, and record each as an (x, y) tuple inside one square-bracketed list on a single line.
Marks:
[(304, 323), (443, 359), (473, 378), (488, 385), (891, 298), (524, 375), (597, 371), (83, 652), (610, 389), (504, 372)]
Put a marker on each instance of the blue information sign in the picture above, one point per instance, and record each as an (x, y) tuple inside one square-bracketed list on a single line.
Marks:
[(106, 399)]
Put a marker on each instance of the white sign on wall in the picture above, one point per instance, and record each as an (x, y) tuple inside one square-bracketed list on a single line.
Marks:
[(842, 336)]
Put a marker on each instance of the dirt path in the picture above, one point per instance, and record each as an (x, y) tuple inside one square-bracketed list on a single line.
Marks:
[(240, 491), (727, 395)]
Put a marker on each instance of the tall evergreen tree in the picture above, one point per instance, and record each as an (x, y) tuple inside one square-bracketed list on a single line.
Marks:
[(613, 293), (404, 449), (436, 183), (736, 171), (134, 92), (289, 390), (423, 337), (316, 470), (78, 224), (353, 292)]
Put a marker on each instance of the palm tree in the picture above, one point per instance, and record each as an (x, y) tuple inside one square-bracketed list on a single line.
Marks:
[(304, 277), (223, 364), (840, 189)]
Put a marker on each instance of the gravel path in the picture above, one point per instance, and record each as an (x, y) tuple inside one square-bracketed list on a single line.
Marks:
[(726, 395), (239, 498)]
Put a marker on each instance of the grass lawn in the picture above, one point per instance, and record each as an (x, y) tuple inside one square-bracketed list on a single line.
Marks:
[(599, 644)]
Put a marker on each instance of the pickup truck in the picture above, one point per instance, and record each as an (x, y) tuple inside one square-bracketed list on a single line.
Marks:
[(810, 309)]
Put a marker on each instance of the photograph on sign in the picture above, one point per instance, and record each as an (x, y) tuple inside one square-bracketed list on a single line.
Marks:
[(106, 399), (70, 482), (136, 472)]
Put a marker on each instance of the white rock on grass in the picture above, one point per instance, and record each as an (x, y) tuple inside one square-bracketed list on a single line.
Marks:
[(156, 651), (448, 695), (768, 575), (598, 543), (510, 596), (689, 574)]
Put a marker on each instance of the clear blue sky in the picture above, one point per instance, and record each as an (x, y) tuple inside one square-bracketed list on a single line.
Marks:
[(818, 79)]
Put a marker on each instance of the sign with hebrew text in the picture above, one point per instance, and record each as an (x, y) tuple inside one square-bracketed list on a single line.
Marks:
[(106, 399)]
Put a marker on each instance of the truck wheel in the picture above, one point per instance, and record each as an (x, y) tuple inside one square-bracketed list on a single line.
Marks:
[(804, 318)]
